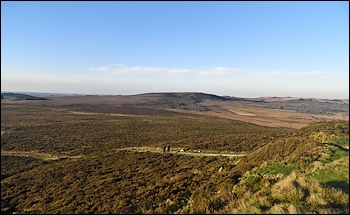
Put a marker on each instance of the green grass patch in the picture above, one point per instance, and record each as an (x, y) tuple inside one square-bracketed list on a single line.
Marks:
[(275, 168), (329, 175), (340, 140), (338, 153), (250, 178), (333, 173)]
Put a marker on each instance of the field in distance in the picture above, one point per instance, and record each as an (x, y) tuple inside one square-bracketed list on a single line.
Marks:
[(267, 111)]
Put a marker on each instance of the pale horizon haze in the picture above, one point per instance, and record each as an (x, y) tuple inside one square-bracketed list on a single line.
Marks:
[(243, 49)]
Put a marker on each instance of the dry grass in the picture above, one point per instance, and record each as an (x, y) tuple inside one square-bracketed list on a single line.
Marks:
[(266, 116), (289, 190), (239, 111), (293, 195)]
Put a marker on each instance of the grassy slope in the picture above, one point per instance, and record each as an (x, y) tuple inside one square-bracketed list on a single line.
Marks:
[(312, 178)]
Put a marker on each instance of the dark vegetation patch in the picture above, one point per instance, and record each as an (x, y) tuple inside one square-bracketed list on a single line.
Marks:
[(22, 164), (310, 106), (184, 101), (122, 182), (20, 96), (89, 129)]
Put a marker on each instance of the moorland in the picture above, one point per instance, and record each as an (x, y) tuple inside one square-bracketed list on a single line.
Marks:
[(103, 154)]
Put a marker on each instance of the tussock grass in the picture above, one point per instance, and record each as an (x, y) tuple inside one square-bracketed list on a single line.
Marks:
[(294, 195), (316, 182), (289, 190)]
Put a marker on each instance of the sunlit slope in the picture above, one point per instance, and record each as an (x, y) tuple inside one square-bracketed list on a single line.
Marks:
[(310, 176), (304, 143)]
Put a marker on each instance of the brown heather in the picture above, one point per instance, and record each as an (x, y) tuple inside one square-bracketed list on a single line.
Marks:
[(81, 159)]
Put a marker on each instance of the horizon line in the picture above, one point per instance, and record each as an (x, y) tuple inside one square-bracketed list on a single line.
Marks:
[(164, 92)]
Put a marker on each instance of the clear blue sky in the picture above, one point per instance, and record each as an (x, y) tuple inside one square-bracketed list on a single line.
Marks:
[(244, 49)]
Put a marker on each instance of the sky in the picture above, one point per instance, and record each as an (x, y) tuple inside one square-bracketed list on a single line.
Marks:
[(243, 49)]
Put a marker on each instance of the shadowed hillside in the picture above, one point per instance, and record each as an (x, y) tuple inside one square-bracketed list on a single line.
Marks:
[(184, 101), (20, 96)]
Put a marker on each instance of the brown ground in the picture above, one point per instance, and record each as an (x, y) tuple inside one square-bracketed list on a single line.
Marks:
[(243, 110), (267, 117)]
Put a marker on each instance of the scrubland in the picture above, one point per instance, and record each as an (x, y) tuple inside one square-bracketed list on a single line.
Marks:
[(284, 170)]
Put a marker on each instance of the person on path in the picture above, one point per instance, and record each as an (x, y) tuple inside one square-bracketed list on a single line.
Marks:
[(168, 148)]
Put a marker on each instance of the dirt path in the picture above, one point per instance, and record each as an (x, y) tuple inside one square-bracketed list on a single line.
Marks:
[(206, 154), (176, 151), (34, 154)]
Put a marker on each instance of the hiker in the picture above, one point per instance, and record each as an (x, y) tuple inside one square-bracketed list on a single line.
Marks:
[(168, 148), (164, 149)]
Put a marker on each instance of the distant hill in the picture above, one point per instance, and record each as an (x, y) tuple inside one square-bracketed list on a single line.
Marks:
[(20, 96), (183, 100), (261, 110), (191, 96), (195, 97), (46, 95)]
